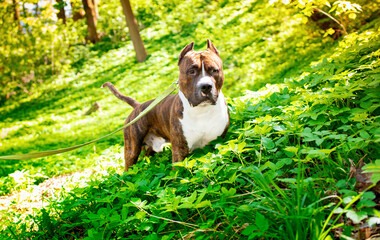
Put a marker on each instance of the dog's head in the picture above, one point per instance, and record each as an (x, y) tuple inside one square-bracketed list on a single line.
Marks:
[(200, 74)]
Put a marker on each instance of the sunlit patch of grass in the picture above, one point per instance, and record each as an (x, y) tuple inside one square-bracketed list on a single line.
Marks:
[(17, 206)]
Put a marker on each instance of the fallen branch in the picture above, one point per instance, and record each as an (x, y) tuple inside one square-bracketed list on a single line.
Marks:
[(328, 15), (94, 107)]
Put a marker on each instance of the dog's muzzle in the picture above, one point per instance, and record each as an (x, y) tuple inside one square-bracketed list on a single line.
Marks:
[(205, 92)]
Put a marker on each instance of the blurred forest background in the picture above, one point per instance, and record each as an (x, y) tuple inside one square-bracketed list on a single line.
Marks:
[(301, 158), (41, 39)]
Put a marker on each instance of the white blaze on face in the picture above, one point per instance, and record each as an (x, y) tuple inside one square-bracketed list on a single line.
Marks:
[(203, 70), (204, 78)]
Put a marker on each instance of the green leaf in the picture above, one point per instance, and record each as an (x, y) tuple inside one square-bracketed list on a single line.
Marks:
[(201, 196), (124, 213), (344, 127), (192, 198), (140, 215), (375, 178), (261, 222), (373, 168), (341, 183), (329, 31), (292, 149), (228, 193), (248, 230), (364, 134), (366, 104), (319, 141), (359, 117), (232, 179), (288, 180), (365, 203), (245, 208), (268, 165), (268, 143), (282, 162), (168, 237), (241, 146), (203, 204), (115, 217), (369, 195), (219, 168), (322, 153)]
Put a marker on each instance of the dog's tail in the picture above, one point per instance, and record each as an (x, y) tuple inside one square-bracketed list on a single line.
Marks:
[(120, 96)]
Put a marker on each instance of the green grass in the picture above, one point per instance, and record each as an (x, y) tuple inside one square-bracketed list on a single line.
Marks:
[(303, 112)]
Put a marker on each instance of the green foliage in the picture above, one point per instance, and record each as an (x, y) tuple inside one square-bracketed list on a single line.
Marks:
[(34, 50), (363, 210), (260, 44), (282, 172), (42, 46), (334, 17), (374, 169)]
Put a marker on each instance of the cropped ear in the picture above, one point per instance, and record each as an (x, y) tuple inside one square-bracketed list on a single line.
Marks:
[(212, 47), (185, 50)]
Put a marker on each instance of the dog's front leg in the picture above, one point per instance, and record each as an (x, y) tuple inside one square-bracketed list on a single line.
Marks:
[(179, 154), (179, 150)]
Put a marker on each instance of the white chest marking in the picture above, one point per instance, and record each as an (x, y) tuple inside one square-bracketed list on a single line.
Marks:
[(202, 124)]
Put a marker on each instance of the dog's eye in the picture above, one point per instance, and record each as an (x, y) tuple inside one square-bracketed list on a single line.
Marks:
[(191, 72), (214, 71)]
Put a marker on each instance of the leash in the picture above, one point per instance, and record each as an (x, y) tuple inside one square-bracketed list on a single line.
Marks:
[(166, 93)]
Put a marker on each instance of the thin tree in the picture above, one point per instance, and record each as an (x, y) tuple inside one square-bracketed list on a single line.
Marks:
[(138, 44), (61, 14), (89, 8), (16, 14)]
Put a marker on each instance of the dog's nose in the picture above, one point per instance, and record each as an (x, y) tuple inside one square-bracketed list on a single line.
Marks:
[(205, 88)]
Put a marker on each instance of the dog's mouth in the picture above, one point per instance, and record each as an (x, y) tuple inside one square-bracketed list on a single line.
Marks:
[(203, 100)]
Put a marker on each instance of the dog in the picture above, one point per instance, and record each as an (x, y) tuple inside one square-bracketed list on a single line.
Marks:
[(188, 120)]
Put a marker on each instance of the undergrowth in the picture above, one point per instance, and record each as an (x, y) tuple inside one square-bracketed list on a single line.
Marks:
[(283, 171), (304, 120), (256, 50)]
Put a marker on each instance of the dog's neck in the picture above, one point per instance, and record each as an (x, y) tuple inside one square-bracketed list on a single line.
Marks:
[(203, 123)]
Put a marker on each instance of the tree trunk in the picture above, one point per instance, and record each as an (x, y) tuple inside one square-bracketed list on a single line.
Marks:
[(138, 44), (16, 14), (95, 3), (91, 20), (78, 12), (61, 14)]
